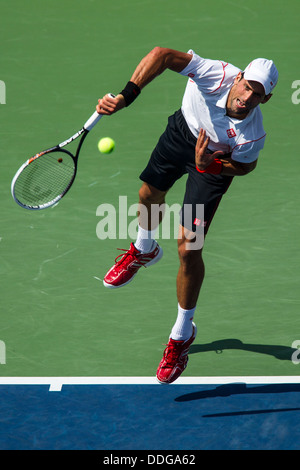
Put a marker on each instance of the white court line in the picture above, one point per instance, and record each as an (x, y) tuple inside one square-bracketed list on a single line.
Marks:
[(56, 383)]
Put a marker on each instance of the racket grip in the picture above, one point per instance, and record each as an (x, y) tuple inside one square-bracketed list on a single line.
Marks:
[(92, 121)]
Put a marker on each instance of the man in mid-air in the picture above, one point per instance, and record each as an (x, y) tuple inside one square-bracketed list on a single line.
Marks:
[(216, 135)]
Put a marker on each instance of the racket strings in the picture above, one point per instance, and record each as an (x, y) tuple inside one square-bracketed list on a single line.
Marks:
[(45, 179)]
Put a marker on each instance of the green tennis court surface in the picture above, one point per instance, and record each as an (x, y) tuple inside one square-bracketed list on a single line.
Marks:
[(56, 318)]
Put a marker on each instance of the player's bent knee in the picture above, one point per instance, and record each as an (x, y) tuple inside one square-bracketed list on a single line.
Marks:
[(189, 251), (149, 194), (190, 244)]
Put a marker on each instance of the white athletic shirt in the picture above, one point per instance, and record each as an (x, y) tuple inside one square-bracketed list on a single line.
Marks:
[(204, 106)]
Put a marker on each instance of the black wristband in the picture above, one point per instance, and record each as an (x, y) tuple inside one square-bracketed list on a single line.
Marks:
[(130, 93)]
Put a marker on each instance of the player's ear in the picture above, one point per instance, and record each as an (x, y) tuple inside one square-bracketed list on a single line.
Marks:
[(267, 98), (238, 78)]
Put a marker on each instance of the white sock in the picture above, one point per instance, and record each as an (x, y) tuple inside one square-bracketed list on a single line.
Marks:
[(145, 239), (183, 327)]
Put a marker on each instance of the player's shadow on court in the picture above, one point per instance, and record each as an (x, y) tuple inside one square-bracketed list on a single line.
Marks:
[(228, 390), (283, 353)]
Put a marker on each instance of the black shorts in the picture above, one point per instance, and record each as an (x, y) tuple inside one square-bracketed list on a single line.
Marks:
[(173, 157)]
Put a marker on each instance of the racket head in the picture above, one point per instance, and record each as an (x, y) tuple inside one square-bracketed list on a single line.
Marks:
[(44, 179)]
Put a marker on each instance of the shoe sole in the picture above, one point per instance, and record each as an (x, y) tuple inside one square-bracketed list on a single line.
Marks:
[(150, 263), (169, 383)]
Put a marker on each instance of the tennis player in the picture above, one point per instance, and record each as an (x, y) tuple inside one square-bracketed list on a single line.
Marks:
[(216, 135)]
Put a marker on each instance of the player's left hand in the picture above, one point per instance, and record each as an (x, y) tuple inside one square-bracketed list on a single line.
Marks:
[(203, 158)]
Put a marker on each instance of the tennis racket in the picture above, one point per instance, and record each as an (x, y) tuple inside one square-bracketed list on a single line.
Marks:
[(45, 178)]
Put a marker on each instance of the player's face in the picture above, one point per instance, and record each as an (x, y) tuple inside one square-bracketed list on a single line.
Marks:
[(244, 96)]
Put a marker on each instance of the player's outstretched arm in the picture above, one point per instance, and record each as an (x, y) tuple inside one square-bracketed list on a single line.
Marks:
[(156, 62), (153, 64)]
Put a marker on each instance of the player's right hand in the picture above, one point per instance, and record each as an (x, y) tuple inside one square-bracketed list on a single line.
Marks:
[(108, 105)]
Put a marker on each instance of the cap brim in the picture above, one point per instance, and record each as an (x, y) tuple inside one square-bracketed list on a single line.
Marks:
[(252, 76)]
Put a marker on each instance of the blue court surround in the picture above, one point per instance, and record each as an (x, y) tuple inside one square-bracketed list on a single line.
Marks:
[(150, 417)]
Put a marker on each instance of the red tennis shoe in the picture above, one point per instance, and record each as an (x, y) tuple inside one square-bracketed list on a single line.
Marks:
[(175, 359), (128, 265)]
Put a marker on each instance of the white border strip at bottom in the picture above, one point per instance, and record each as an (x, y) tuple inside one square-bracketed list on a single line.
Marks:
[(56, 383)]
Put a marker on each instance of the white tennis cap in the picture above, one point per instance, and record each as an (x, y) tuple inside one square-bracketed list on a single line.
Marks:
[(264, 72)]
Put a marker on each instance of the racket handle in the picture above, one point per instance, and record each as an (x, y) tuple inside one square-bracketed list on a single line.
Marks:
[(92, 121)]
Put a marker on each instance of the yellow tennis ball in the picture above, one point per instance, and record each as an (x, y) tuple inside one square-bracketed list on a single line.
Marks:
[(106, 145)]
